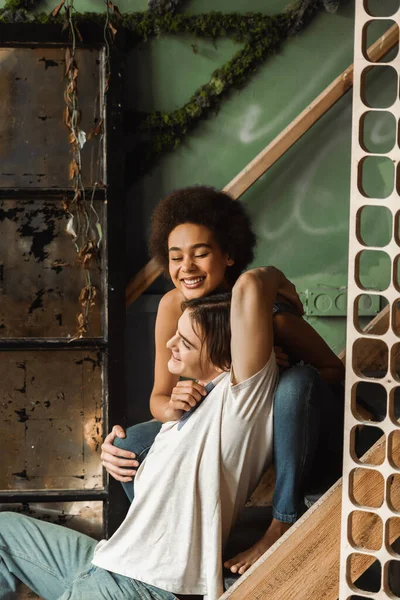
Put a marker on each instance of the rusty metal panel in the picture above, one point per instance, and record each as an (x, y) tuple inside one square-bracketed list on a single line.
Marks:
[(51, 420), (34, 146), (38, 297)]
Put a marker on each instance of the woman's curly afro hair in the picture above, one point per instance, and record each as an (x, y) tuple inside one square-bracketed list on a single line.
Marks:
[(202, 205)]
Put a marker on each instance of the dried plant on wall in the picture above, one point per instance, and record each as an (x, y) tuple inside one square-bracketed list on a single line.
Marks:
[(84, 222)]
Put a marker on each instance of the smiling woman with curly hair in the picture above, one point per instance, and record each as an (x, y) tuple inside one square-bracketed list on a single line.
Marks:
[(224, 217)]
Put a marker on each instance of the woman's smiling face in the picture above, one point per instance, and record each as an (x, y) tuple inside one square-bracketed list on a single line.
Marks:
[(197, 264)]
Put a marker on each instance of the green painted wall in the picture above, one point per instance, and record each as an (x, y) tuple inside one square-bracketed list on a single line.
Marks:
[(301, 206)]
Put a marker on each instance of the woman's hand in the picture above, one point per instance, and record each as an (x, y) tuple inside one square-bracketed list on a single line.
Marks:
[(282, 359), (117, 462), (185, 395), (288, 291)]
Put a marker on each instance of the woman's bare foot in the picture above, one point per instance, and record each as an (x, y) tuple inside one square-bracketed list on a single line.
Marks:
[(242, 561)]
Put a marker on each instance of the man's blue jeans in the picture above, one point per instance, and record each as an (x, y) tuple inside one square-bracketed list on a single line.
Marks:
[(55, 562), (308, 438)]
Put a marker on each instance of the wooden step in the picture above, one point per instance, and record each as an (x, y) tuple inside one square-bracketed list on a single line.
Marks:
[(304, 563)]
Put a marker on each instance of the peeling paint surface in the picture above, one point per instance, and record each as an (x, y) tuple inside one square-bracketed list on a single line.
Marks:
[(38, 297), (50, 420), (31, 117)]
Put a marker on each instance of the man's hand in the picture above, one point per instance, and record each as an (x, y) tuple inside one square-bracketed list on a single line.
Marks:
[(185, 395), (117, 462)]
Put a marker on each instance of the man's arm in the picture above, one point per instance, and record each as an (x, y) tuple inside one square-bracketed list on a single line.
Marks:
[(253, 296)]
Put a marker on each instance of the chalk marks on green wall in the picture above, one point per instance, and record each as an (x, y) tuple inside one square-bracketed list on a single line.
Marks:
[(254, 126), (304, 205)]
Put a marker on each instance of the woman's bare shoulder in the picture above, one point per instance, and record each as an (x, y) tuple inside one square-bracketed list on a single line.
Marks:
[(168, 313), (170, 303)]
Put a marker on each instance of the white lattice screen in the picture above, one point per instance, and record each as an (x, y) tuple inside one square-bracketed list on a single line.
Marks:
[(370, 565)]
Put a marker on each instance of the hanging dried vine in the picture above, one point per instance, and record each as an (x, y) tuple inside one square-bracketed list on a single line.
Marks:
[(84, 223)]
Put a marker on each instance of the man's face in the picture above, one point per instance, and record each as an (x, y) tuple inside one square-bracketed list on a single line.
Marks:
[(189, 358)]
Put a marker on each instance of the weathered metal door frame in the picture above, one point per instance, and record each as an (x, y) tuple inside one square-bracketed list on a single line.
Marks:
[(111, 344)]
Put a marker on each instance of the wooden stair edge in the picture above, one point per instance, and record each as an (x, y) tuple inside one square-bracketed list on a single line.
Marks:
[(328, 497), (378, 325), (304, 563)]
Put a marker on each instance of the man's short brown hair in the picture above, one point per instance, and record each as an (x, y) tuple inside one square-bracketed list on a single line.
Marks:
[(211, 315)]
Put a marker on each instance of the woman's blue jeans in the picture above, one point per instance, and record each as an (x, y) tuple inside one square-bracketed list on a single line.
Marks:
[(308, 438), (56, 563)]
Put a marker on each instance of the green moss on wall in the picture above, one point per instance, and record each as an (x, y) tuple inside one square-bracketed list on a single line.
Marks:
[(260, 34)]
